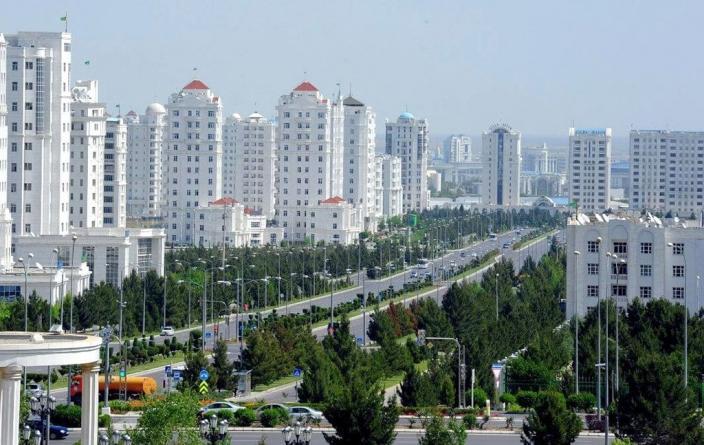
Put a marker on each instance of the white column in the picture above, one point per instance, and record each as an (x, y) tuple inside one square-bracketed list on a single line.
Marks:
[(89, 404), (10, 405)]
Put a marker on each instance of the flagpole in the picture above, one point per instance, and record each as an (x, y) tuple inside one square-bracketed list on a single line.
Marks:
[(66, 24)]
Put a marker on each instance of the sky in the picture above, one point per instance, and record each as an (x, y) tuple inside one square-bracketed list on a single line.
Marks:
[(540, 66)]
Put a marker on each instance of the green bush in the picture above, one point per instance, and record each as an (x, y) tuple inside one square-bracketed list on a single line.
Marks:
[(224, 414), (244, 417), (469, 421), (104, 421), (67, 415), (273, 417), (507, 398), (119, 406), (526, 399), (584, 401), (480, 397)]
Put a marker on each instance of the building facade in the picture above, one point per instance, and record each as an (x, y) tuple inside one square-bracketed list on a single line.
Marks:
[(115, 170), (87, 156), (589, 168), (228, 221), (359, 159), (667, 171), (389, 190), (458, 149), (5, 216), (407, 138), (146, 139), (654, 258), (501, 166), (193, 158), (335, 221), (310, 156), (39, 123)]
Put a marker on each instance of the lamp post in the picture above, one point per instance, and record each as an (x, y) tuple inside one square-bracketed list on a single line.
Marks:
[(116, 438), (26, 312), (686, 314), (496, 292), (193, 283), (42, 407), (298, 435), (460, 365), (30, 437), (598, 337), (576, 332), (213, 431), (74, 237)]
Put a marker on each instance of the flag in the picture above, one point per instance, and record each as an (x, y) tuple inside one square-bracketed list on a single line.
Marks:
[(87, 62), (64, 18), (572, 204)]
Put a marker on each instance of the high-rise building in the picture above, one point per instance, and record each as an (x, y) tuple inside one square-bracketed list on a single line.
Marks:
[(146, 136), (589, 168), (407, 138), (458, 149), (389, 190), (115, 169), (667, 172), (5, 217), (250, 162), (87, 156), (39, 122), (359, 169), (310, 156), (501, 166), (194, 158)]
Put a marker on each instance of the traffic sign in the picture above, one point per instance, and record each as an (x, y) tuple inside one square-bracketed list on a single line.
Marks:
[(297, 372), (177, 374), (203, 374), (203, 387), (123, 373), (360, 340), (208, 334), (167, 370)]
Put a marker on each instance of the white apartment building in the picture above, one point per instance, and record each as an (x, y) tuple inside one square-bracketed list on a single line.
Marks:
[(310, 156), (115, 169), (193, 158), (501, 166), (389, 190), (229, 221), (589, 168), (250, 158), (667, 171), (87, 156), (146, 136), (654, 258), (5, 217), (39, 123), (407, 138), (335, 221), (359, 159), (459, 149)]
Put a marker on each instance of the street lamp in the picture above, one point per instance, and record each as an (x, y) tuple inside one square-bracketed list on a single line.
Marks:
[(193, 283), (30, 437), (26, 310), (496, 292), (117, 438), (213, 431), (298, 435), (42, 407)]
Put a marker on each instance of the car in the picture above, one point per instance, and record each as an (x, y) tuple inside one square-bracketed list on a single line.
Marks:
[(507, 245), (214, 407), (35, 389), (168, 331), (414, 274), (55, 431), (462, 255), (277, 406), (305, 413)]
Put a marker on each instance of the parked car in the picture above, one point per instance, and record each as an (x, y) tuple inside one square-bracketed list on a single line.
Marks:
[(463, 254), (507, 245), (414, 274), (214, 407), (277, 406), (168, 331), (305, 413), (55, 431)]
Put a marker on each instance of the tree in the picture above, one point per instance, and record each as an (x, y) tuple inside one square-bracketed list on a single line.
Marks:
[(417, 389), (176, 413), (439, 433), (191, 373), (321, 379), (550, 422), (264, 357), (224, 367)]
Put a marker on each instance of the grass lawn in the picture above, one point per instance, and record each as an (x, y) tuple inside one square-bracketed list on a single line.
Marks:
[(394, 380), (278, 382)]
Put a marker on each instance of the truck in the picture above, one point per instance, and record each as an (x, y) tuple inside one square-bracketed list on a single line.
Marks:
[(136, 387)]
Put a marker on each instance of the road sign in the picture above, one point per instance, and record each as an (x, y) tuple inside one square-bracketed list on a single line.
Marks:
[(208, 334), (203, 374), (496, 369), (177, 374), (167, 370), (360, 340), (123, 373), (297, 372), (203, 387)]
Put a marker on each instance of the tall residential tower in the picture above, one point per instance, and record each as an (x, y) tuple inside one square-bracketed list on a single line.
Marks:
[(501, 166), (407, 138), (589, 168)]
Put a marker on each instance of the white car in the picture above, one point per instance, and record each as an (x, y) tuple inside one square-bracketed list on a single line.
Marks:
[(168, 331), (214, 407), (305, 413)]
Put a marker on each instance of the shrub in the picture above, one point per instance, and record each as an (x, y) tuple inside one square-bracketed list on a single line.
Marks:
[(104, 421), (244, 417), (119, 406), (480, 397), (469, 421), (526, 399), (272, 417), (507, 398), (67, 415), (584, 401), (224, 414)]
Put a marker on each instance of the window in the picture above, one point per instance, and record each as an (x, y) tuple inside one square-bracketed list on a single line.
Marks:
[(593, 268), (620, 247), (619, 268), (678, 249), (28, 208), (646, 248), (593, 246), (646, 292), (592, 291), (646, 270), (618, 290), (677, 271), (678, 293)]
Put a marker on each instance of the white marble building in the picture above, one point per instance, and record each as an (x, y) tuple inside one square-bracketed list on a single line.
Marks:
[(228, 221), (389, 190), (334, 221), (5, 217), (501, 166), (115, 170), (407, 138), (589, 168)]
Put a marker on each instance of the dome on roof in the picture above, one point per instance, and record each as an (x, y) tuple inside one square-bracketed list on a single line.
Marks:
[(236, 116), (255, 116), (155, 108), (406, 115)]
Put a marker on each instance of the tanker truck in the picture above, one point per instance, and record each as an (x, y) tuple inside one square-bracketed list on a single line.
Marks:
[(136, 387)]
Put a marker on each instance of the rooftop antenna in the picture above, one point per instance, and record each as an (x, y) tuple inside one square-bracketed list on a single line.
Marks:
[(350, 89), (195, 72), (339, 91)]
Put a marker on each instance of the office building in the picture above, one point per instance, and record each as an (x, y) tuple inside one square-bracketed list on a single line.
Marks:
[(589, 168), (407, 138), (501, 166)]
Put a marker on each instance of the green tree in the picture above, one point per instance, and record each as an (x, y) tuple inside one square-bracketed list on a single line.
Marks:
[(439, 433), (264, 357), (550, 422), (417, 389), (194, 362), (161, 418), (321, 379), (223, 366)]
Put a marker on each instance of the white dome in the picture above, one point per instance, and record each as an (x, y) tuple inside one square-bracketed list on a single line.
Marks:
[(155, 108), (236, 116), (255, 116)]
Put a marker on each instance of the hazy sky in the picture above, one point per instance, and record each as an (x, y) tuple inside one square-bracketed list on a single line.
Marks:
[(537, 65)]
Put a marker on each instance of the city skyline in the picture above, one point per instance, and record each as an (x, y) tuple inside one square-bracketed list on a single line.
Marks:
[(465, 68)]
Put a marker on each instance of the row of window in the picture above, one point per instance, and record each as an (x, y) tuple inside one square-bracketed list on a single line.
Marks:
[(621, 247), (644, 292)]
